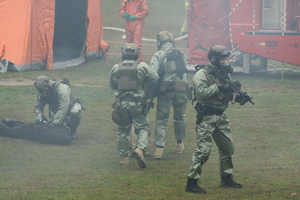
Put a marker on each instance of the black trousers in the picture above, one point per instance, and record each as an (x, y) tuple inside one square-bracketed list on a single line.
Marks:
[(37, 132)]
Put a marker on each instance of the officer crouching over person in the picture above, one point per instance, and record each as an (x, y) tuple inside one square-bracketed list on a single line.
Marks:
[(212, 96), (64, 107), (131, 79)]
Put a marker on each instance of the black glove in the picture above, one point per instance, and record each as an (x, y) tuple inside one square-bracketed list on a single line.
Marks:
[(161, 72), (39, 121), (224, 87), (43, 120), (238, 83), (50, 125), (240, 100)]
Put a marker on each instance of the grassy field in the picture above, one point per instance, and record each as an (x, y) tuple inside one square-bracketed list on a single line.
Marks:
[(266, 135)]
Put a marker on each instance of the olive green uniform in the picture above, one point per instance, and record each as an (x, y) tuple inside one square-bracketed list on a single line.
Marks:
[(62, 105), (132, 103), (214, 124), (176, 97)]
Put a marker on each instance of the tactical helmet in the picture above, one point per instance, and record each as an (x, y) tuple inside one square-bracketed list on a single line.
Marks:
[(130, 52), (216, 53), (163, 37), (43, 84)]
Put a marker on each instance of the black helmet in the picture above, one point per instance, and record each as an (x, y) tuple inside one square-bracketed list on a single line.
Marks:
[(163, 37), (130, 52), (216, 53)]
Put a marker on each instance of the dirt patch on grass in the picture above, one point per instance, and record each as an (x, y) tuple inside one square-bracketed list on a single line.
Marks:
[(17, 82), (14, 82)]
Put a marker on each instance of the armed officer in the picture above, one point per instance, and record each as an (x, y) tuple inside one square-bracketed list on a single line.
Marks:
[(170, 64), (64, 107), (212, 96), (132, 81)]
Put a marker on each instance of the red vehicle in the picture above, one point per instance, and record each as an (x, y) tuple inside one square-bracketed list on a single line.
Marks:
[(265, 29)]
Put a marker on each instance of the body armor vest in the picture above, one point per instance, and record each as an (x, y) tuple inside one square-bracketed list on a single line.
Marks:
[(53, 101), (128, 77)]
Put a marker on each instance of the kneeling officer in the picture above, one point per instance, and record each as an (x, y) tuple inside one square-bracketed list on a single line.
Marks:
[(64, 107)]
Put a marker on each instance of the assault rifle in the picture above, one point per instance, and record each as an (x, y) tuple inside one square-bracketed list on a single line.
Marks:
[(150, 104), (237, 92)]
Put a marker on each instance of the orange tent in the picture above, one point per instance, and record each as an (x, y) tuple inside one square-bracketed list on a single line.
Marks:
[(48, 34)]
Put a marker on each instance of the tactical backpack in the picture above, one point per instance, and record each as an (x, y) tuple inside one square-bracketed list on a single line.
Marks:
[(175, 62)]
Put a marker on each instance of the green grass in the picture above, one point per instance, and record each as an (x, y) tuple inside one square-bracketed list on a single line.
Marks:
[(266, 136)]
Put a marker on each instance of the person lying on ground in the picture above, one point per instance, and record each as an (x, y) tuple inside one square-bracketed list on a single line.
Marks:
[(37, 132)]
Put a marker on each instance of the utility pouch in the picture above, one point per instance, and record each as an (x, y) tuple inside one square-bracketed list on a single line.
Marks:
[(174, 86), (146, 108), (201, 111), (116, 114), (181, 87), (168, 86)]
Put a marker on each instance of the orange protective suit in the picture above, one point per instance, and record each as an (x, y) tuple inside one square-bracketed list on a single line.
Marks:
[(134, 28)]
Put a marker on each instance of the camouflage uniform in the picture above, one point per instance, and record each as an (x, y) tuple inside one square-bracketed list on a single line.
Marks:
[(214, 126), (212, 96), (166, 99), (132, 103), (62, 105)]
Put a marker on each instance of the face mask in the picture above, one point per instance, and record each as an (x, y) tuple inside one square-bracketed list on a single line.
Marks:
[(224, 62)]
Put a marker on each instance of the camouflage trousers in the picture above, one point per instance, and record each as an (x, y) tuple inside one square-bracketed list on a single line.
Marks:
[(132, 114), (165, 101), (214, 127)]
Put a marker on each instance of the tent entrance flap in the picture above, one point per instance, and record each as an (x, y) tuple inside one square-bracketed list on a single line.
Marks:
[(70, 29)]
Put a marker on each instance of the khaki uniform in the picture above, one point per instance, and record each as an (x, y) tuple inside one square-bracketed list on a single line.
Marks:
[(176, 98), (214, 125), (132, 103)]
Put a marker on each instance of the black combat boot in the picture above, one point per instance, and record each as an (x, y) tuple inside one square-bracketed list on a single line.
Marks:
[(192, 186), (73, 132), (7, 122), (227, 181), (3, 130)]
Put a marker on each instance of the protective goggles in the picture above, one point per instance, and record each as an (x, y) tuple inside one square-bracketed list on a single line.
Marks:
[(225, 53)]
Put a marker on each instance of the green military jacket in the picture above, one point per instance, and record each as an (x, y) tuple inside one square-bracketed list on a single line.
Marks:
[(207, 91)]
